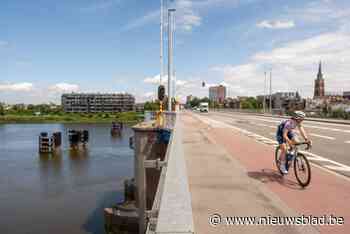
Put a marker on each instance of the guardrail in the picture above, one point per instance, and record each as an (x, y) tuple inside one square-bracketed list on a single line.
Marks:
[(172, 210)]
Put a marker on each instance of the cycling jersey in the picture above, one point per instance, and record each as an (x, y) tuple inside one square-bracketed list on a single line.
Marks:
[(288, 124)]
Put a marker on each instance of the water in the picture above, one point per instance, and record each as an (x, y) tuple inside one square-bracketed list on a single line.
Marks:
[(65, 193)]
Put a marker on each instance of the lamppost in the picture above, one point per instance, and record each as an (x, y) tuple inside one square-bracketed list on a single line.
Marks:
[(170, 53), (264, 101), (271, 91), (161, 40)]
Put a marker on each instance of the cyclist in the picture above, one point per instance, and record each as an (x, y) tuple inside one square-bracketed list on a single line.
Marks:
[(286, 137)]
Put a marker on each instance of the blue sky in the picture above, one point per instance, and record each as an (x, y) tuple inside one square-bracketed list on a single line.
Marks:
[(51, 47)]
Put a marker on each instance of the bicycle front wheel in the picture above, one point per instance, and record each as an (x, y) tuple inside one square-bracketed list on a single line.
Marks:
[(302, 170)]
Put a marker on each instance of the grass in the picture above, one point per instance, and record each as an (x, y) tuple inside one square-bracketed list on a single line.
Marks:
[(125, 117)]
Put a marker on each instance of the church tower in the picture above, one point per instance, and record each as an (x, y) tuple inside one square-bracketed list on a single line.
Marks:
[(319, 84)]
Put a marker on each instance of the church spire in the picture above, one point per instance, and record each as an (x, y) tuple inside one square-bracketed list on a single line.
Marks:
[(319, 74)]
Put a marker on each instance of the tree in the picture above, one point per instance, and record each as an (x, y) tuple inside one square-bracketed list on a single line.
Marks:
[(205, 99), (151, 106), (2, 109), (195, 102), (249, 103)]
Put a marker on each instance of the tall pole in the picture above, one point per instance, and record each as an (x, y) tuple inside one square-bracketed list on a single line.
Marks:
[(271, 90), (161, 41), (170, 54), (173, 55), (264, 102)]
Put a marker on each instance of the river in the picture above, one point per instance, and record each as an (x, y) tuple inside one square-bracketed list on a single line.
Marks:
[(64, 193)]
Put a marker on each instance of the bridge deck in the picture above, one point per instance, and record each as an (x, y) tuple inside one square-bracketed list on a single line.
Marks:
[(219, 184)]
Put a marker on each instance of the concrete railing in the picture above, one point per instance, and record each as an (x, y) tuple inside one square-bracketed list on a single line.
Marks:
[(172, 210)]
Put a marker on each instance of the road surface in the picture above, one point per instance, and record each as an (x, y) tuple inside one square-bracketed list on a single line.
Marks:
[(249, 140), (331, 142)]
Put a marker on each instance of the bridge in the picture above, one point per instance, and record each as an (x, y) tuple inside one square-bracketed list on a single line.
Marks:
[(218, 175)]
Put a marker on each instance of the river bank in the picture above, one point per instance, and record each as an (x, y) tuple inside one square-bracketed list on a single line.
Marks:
[(125, 117)]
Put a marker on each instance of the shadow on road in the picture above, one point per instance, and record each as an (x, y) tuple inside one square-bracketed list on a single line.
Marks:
[(273, 176)]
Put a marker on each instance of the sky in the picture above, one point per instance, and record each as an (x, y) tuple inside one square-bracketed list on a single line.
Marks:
[(51, 47)]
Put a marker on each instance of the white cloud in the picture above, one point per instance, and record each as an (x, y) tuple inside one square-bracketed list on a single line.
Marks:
[(294, 66), (99, 5), (64, 87), (276, 24), (149, 95), (328, 46), (154, 79), (186, 18), (181, 83), (17, 87), (139, 22), (189, 13), (320, 12), (144, 97)]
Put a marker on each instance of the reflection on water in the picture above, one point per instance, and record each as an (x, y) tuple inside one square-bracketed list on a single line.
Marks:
[(65, 191)]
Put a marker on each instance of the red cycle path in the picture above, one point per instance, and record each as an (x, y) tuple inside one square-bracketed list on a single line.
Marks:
[(327, 194)]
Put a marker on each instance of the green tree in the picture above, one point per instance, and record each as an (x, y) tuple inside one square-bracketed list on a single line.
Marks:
[(205, 99), (151, 106), (195, 102), (250, 103), (2, 109)]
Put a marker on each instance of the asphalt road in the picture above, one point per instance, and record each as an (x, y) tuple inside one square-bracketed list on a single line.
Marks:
[(331, 142)]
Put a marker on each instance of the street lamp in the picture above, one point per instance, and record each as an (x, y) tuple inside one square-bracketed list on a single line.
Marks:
[(271, 91), (170, 53), (264, 102)]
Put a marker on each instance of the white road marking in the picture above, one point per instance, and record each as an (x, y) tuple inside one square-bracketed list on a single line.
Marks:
[(326, 128), (270, 119), (347, 142), (320, 158), (307, 125), (321, 136), (311, 156), (265, 125), (273, 119), (337, 168), (317, 159), (331, 172)]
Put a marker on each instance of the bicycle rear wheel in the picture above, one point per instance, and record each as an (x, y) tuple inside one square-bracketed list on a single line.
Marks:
[(302, 170), (277, 159)]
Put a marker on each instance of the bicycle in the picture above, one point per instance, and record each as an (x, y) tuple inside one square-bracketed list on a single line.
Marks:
[(300, 163)]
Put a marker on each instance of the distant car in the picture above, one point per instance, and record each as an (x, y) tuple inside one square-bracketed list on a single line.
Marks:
[(204, 107)]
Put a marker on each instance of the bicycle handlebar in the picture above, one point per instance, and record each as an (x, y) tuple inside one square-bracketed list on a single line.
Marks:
[(304, 143)]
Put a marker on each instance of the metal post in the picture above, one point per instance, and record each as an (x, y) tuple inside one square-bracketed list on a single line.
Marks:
[(264, 101), (161, 40), (170, 54), (270, 91)]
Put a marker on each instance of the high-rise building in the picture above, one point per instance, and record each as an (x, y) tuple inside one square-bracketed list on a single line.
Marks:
[(319, 91), (217, 94), (94, 103)]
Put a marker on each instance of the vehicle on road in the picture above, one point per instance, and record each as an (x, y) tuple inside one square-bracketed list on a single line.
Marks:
[(300, 163), (204, 107)]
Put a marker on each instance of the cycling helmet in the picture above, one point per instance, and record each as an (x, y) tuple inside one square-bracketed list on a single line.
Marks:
[(299, 115)]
